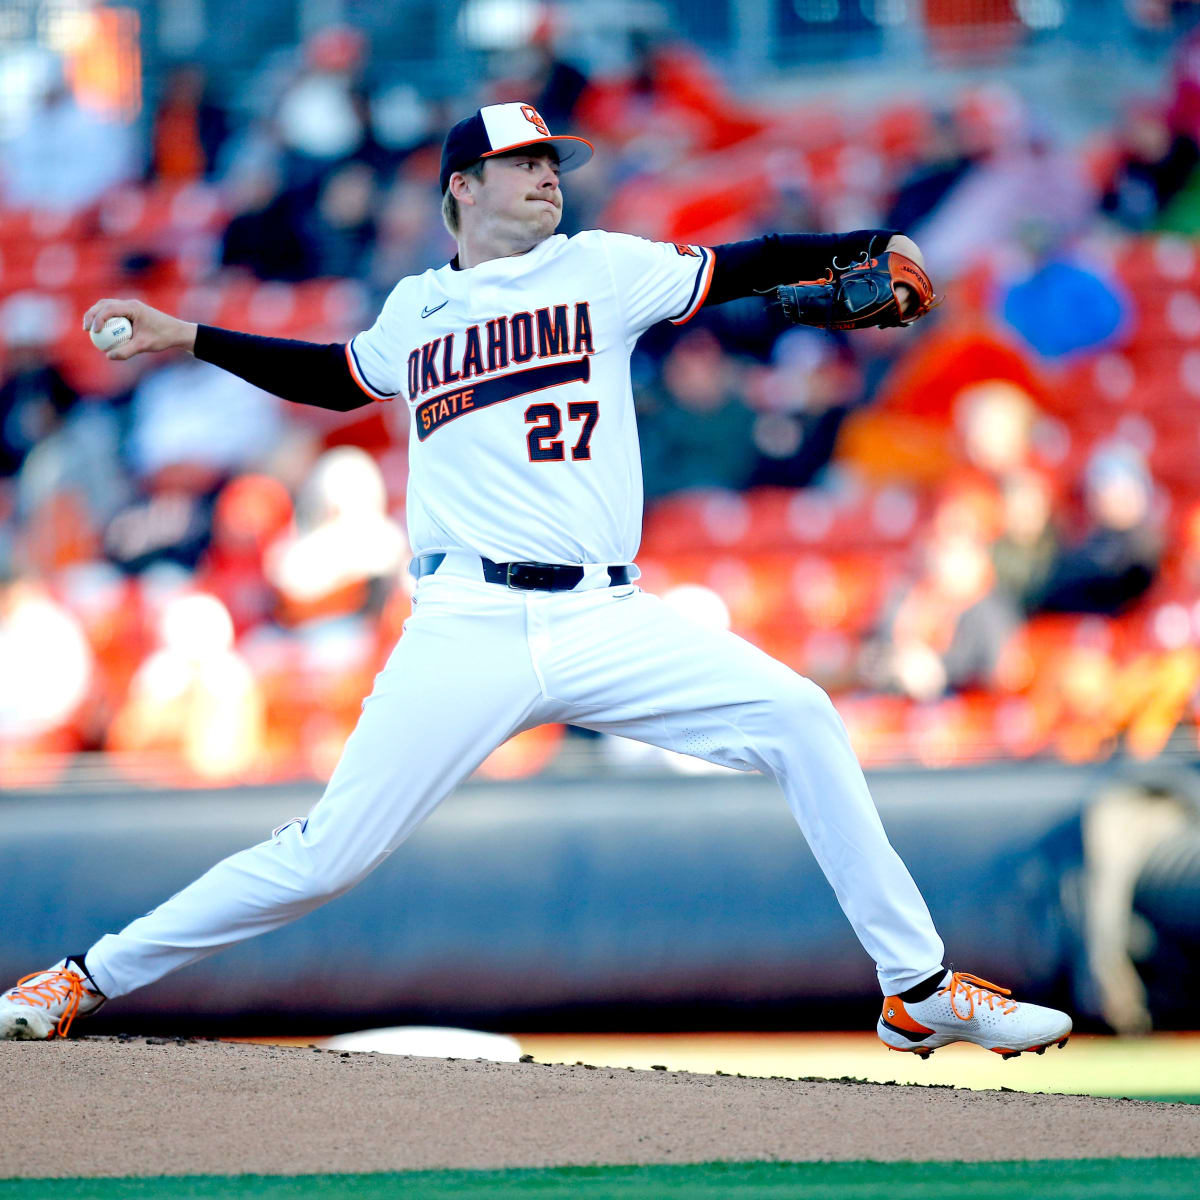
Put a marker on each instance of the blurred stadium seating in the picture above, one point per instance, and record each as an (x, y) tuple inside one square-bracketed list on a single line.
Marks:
[(837, 564)]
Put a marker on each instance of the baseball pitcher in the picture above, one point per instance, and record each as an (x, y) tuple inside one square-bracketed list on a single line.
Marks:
[(524, 513)]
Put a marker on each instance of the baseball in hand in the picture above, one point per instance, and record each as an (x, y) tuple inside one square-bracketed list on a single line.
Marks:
[(116, 330)]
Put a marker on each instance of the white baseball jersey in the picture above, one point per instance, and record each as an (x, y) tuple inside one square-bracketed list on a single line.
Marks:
[(523, 441)]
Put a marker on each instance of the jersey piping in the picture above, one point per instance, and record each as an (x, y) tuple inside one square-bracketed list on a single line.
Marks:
[(703, 282), (356, 373)]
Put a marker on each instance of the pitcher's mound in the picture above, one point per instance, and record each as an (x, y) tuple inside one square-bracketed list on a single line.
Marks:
[(113, 1106)]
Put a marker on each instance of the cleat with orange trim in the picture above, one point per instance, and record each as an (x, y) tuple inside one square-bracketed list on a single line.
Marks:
[(44, 1004), (965, 1008)]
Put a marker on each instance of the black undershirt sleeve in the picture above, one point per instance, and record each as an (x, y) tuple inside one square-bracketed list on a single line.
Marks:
[(746, 268), (303, 372)]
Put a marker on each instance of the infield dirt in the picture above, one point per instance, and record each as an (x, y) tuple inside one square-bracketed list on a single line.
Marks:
[(109, 1106)]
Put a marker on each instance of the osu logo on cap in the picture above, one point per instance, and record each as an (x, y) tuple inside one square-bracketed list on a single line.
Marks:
[(534, 117)]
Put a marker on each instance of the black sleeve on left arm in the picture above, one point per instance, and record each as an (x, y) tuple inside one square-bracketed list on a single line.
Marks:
[(303, 372), (745, 268)]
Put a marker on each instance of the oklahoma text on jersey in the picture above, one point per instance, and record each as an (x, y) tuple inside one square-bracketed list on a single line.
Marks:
[(490, 347)]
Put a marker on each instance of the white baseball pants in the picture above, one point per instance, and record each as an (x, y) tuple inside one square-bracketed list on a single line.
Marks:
[(479, 662)]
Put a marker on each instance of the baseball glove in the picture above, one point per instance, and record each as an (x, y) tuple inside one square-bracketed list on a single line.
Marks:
[(859, 295)]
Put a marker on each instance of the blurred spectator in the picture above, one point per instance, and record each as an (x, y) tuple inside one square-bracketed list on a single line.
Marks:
[(1027, 547), (170, 523), (942, 163), (535, 73), (1061, 308), (671, 105), (695, 430), (34, 397), (1118, 558), (995, 425), (46, 664), (108, 605), (323, 116), (188, 128), (341, 230), (346, 553), (194, 698), (75, 474), (65, 450), (401, 122), (801, 402), (949, 630), (1184, 112), (53, 161), (192, 424), (250, 513), (189, 412), (1024, 189), (1154, 167), (410, 237), (265, 236)]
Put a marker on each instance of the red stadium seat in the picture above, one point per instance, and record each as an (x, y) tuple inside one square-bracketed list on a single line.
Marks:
[(900, 132)]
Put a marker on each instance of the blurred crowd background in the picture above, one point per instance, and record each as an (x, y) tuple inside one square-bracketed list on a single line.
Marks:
[(981, 534)]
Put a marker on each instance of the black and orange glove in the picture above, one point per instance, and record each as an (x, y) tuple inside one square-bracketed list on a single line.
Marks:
[(861, 295)]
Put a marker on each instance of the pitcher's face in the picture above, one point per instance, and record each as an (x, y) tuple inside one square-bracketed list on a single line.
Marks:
[(518, 196)]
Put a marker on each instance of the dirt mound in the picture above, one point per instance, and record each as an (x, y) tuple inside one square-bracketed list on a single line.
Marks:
[(137, 1106)]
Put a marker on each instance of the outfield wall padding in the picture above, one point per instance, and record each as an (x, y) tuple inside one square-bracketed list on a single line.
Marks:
[(553, 896)]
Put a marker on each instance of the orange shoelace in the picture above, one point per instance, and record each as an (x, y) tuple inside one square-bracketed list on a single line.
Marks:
[(977, 991), (55, 988)]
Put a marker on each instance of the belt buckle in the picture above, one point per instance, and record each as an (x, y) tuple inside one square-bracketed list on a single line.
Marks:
[(513, 573), (529, 577)]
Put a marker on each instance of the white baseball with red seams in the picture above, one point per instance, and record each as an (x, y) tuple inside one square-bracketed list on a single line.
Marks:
[(112, 333)]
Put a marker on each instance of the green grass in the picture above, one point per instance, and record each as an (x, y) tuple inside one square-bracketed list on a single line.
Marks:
[(1077, 1179)]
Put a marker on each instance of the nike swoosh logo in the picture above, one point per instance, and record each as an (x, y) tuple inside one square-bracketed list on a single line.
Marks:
[(430, 309)]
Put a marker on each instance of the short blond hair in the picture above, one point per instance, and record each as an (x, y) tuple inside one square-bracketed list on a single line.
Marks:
[(451, 216)]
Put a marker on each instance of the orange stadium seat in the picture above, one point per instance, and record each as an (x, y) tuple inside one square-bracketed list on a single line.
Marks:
[(328, 310), (139, 216), (900, 132), (713, 207), (1147, 262), (1145, 376), (87, 370), (697, 519), (263, 308), (24, 226)]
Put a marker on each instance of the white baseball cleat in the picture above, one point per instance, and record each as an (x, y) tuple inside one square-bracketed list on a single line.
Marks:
[(965, 1008), (45, 1003)]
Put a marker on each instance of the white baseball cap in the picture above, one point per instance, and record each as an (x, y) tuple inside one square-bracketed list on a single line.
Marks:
[(499, 128)]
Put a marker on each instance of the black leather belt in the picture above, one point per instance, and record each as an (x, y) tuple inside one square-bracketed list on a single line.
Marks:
[(528, 576)]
